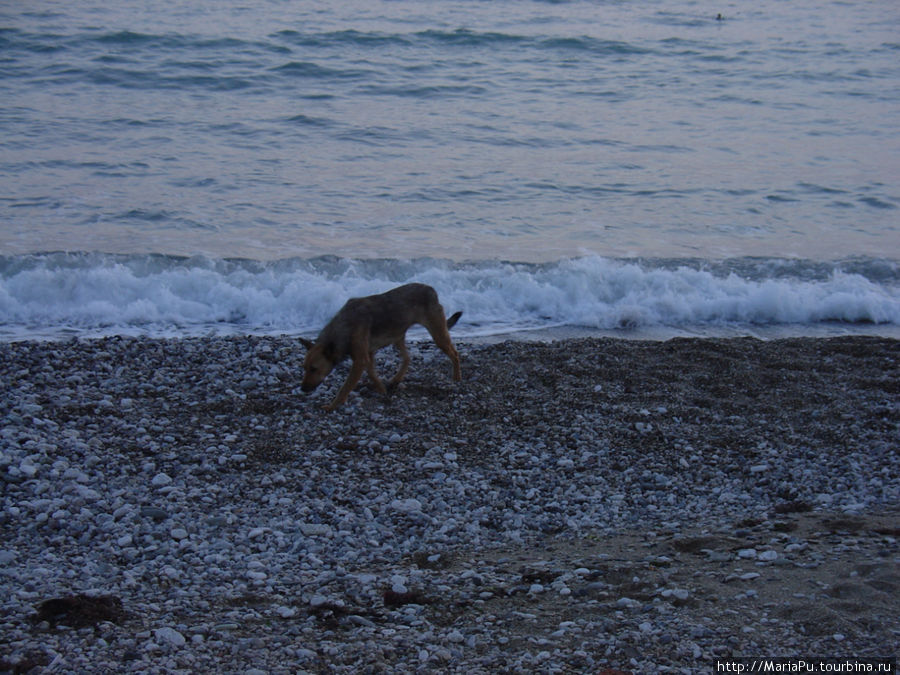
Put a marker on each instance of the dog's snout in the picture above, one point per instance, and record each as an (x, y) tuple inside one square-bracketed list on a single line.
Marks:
[(308, 386)]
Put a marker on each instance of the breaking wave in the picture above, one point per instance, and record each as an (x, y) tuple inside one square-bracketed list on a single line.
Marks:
[(59, 294)]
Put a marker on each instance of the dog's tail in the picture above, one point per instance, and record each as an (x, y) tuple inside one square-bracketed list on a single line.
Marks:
[(453, 319)]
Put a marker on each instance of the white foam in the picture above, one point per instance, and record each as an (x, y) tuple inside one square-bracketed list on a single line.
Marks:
[(59, 294)]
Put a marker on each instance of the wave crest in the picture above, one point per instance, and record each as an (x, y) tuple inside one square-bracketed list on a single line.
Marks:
[(62, 293)]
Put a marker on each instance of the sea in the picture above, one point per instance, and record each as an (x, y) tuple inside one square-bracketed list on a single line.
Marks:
[(638, 168)]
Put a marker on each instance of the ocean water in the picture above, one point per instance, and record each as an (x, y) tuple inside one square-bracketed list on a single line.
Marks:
[(633, 168)]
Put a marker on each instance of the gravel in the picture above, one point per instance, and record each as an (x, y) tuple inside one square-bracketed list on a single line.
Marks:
[(178, 505)]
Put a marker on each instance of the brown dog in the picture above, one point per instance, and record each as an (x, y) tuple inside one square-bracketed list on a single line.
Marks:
[(365, 325)]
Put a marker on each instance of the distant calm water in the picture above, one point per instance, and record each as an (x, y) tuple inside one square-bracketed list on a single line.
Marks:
[(238, 166)]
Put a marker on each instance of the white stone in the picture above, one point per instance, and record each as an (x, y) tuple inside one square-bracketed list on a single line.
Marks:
[(315, 529), (406, 505), (361, 621), (398, 583), (122, 511), (170, 636), (676, 593), (455, 636), (160, 479)]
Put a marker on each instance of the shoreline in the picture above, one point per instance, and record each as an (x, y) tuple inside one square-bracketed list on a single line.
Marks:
[(573, 505), (417, 334), (663, 333)]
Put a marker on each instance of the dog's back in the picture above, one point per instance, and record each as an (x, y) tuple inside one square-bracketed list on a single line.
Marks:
[(400, 308)]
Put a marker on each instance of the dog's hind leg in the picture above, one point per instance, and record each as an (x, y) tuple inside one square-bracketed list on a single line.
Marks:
[(373, 374), (400, 346), (448, 348), (437, 327)]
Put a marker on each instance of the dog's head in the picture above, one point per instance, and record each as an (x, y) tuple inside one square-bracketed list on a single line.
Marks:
[(316, 366)]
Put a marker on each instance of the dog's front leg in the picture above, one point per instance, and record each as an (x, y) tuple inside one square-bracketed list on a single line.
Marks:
[(356, 370), (359, 354)]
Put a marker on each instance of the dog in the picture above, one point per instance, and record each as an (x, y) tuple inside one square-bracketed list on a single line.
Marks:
[(365, 325)]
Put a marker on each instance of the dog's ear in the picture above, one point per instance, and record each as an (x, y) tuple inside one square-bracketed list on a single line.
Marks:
[(306, 343)]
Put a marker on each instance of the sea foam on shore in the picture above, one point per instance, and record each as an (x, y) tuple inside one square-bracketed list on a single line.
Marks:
[(62, 294)]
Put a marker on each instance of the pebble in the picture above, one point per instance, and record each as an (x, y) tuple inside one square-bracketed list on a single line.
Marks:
[(170, 636), (252, 530), (455, 636), (406, 505), (680, 594)]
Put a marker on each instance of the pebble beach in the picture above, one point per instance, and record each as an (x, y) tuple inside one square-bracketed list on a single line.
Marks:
[(578, 506)]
